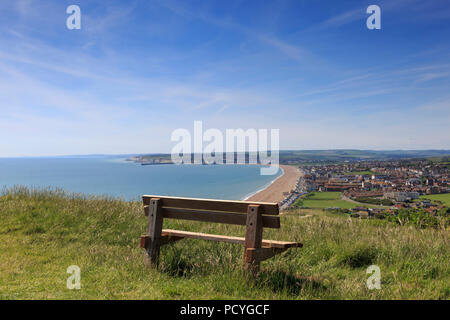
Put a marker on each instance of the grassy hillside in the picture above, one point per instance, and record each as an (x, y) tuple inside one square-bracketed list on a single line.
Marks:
[(43, 232), (323, 200), (443, 197), (305, 156), (350, 154), (360, 173)]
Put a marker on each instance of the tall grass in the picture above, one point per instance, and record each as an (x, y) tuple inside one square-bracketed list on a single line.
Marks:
[(42, 232)]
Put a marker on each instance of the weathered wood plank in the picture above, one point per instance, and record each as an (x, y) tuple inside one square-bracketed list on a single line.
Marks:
[(203, 236), (217, 217), (155, 223), (280, 244), (261, 254), (145, 241), (213, 204), (253, 236), (230, 239)]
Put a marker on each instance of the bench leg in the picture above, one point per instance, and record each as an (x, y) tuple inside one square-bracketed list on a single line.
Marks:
[(253, 238), (155, 223)]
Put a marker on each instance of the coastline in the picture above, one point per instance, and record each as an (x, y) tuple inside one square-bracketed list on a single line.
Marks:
[(283, 183), (265, 187)]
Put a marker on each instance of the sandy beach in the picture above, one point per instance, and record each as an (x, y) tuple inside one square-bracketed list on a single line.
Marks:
[(285, 183)]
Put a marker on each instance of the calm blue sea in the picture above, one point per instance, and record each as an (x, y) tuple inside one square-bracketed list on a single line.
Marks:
[(115, 177)]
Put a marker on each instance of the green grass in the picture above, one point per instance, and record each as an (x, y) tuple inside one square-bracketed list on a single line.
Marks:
[(324, 204), (361, 173), (323, 200), (43, 232), (325, 196), (443, 197)]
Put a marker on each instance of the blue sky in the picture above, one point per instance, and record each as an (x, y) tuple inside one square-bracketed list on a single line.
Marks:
[(137, 70)]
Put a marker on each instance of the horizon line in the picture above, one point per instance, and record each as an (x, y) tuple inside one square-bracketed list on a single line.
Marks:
[(167, 153)]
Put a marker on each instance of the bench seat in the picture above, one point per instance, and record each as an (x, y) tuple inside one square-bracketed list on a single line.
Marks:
[(236, 240), (253, 215)]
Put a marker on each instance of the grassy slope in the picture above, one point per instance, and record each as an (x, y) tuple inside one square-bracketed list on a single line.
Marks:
[(359, 173), (41, 234), (323, 200), (444, 197)]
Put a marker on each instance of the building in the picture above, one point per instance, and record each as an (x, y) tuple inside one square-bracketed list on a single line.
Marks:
[(402, 196)]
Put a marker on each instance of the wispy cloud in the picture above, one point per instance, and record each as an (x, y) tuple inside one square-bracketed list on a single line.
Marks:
[(291, 51), (435, 10), (116, 86)]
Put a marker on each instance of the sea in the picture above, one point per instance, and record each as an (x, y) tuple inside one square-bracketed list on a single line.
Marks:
[(115, 177)]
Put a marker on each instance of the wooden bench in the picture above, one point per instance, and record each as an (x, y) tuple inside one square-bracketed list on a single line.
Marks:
[(254, 215)]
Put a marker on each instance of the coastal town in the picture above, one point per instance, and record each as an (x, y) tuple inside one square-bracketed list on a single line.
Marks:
[(351, 184), (371, 188)]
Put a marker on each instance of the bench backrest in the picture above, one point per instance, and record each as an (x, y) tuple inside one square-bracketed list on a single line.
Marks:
[(209, 210)]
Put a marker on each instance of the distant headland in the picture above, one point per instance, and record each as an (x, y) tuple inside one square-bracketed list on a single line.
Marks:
[(314, 156)]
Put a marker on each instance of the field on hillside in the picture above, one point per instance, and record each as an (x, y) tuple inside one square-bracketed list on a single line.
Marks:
[(323, 200), (42, 233), (361, 173), (443, 197)]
